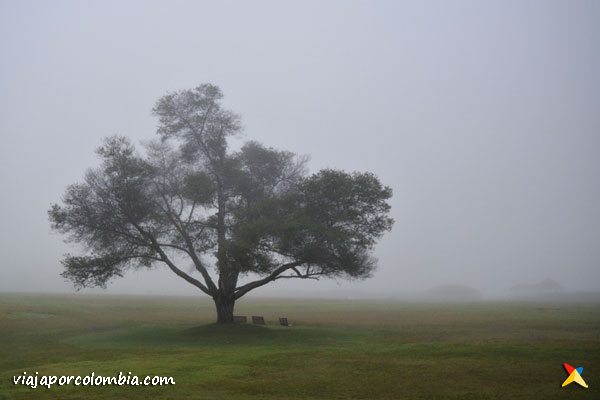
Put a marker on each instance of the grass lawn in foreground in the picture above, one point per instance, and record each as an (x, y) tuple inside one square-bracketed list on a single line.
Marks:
[(351, 349)]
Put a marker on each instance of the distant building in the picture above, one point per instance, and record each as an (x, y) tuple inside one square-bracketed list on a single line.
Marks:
[(547, 286)]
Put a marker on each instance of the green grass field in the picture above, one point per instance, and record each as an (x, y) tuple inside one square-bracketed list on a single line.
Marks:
[(335, 350)]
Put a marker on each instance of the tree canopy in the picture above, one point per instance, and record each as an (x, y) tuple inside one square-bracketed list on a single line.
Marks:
[(189, 198)]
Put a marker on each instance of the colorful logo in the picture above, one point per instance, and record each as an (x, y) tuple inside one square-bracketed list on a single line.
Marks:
[(574, 376)]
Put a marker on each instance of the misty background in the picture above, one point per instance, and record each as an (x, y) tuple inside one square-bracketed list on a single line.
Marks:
[(484, 118)]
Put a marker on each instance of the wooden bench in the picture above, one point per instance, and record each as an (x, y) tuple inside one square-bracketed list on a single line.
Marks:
[(240, 319), (283, 321), (258, 320)]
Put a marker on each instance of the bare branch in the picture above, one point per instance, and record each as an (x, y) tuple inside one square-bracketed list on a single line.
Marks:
[(242, 290), (166, 260)]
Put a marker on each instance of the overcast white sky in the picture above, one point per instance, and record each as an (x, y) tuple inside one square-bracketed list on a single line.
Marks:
[(483, 116)]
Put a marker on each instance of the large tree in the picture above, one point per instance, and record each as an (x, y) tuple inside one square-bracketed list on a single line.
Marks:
[(190, 200)]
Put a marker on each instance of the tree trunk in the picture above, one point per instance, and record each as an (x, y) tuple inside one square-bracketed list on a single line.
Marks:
[(224, 309)]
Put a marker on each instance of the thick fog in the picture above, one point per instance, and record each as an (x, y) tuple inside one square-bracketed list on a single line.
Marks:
[(484, 118)]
